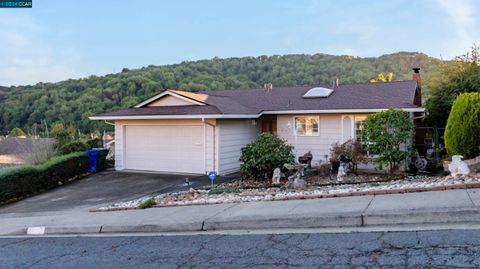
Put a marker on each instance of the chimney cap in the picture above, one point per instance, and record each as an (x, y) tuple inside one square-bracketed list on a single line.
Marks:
[(416, 69)]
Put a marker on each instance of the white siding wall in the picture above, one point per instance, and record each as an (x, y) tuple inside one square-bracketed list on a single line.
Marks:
[(233, 135), (330, 131), (119, 139), (170, 101)]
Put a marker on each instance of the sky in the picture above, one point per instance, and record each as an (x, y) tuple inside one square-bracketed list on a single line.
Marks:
[(57, 40)]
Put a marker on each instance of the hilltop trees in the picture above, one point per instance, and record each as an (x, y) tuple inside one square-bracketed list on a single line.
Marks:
[(453, 78), (73, 101)]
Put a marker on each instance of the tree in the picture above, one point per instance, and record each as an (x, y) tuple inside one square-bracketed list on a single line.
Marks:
[(452, 78), (382, 78), (73, 101), (384, 133), (351, 149), (263, 155), (462, 134), (63, 135), (17, 132)]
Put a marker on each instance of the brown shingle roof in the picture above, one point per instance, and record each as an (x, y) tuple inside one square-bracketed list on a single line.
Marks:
[(398, 94), (163, 110)]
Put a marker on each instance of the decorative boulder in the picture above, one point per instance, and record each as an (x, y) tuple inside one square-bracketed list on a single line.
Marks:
[(299, 183), (276, 176), (457, 166)]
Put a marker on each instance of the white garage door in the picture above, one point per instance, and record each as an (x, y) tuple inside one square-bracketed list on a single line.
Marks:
[(177, 149)]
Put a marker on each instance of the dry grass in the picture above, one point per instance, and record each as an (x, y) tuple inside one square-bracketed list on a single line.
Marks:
[(41, 151)]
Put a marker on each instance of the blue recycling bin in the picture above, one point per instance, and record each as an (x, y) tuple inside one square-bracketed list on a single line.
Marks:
[(92, 160)]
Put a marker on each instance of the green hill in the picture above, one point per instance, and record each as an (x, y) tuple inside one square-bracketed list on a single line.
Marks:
[(72, 101)]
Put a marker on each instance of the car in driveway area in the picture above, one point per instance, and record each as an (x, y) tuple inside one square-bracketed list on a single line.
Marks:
[(104, 188)]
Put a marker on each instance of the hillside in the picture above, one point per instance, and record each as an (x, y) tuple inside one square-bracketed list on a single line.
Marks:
[(72, 101)]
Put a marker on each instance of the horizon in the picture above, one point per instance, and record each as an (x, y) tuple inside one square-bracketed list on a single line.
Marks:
[(57, 41)]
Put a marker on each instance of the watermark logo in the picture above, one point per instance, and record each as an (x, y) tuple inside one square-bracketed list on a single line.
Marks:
[(15, 3)]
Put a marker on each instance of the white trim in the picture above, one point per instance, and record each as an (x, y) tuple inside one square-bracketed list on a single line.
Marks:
[(330, 111), (149, 117), (251, 116), (168, 92)]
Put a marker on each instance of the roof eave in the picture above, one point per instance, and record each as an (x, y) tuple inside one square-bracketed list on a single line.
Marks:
[(251, 116)]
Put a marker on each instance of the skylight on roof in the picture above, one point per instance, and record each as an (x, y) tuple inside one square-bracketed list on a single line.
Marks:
[(318, 92)]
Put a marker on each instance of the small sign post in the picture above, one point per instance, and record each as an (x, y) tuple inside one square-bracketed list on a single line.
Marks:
[(212, 176)]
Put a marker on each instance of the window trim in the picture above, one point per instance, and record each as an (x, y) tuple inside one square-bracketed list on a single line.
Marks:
[(306, 116)]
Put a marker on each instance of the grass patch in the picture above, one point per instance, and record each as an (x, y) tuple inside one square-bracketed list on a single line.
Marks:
[(218, 190), (148, 203)]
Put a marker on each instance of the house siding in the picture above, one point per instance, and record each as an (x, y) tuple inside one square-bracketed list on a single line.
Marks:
[(119, 137), (170, 101), (330, 131), (233, 135)]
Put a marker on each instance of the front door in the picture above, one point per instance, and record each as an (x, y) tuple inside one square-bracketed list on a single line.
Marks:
[(269, 124)]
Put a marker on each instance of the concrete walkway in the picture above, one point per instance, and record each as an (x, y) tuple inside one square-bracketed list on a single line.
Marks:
[(436, 207)]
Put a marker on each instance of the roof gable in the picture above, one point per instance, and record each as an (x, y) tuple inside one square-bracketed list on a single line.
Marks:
[(180, 99)]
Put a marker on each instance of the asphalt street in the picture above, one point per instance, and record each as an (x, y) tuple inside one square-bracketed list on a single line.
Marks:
[(417, 249)]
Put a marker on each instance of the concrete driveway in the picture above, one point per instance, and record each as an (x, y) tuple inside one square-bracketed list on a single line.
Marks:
[(103, 189)]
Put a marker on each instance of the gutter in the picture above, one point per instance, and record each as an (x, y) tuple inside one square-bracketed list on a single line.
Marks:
[(251, 116)]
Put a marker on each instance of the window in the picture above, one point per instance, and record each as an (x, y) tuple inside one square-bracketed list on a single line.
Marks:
[(359, 120), (307, 125)]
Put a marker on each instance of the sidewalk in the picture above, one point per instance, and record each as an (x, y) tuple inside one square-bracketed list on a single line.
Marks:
[(436, 207)]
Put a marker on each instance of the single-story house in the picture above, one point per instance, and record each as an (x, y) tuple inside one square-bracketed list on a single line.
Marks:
[(197, 132)]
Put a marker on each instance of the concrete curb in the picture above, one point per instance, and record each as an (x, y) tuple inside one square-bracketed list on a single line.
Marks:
[(439, 216), (287, 222), (386, 218)]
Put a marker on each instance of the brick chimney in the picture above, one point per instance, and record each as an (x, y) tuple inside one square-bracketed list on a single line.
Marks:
[(418, 95)]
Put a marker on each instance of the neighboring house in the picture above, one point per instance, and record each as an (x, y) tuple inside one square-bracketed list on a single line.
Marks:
[(185, 132)]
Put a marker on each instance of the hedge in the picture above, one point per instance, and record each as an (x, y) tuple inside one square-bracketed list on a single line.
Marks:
[(17, 182)]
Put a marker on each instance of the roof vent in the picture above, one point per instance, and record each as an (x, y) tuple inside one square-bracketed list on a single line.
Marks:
[(318, 92)]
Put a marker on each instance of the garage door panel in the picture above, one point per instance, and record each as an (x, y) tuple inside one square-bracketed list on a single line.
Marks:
[(165, 148)]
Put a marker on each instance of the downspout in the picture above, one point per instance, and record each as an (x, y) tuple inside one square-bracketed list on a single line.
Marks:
[(205, 144)]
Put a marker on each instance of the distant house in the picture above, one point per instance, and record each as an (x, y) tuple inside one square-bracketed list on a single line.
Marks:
[(185, 132)]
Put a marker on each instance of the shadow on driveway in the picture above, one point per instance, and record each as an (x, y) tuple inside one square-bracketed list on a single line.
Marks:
[(106, 188)]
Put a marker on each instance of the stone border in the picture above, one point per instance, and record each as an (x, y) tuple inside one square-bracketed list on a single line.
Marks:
[(474, 185)]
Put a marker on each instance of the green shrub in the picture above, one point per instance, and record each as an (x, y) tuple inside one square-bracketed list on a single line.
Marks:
[(462, 134), (74, 146), (20, 181), (94, 143), (351, 149), (17, 132), (223, 190), (148, 203), (384, 133), (262, 156)]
